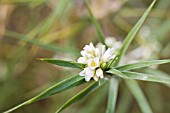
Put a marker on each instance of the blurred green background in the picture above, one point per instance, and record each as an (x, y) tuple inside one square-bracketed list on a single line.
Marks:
[(31, 29)]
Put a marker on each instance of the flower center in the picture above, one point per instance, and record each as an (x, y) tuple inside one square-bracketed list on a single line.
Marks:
[(93, 64), (91, 52)]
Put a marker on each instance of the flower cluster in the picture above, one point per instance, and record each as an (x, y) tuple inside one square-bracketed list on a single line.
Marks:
[(112, 43), (94, 58)]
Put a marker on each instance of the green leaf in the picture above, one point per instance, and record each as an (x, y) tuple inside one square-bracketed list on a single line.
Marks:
[(125, 101), (39, 43), (157, 73), (130, 37), (132, 33), (61, 6), (82, 94), (141, 64), (113, 90), (70, 64), (94, 100), (140, 76), (147, 77), (57, 88), (117, 72), (96, 24), (139, 96)]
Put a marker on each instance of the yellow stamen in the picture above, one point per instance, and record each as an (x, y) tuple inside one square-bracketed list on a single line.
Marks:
[(90, 52), (93, 64)]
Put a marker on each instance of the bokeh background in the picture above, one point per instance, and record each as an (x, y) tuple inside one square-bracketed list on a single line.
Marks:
[(32, 29)]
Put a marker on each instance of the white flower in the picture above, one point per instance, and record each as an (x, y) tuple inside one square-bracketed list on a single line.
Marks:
[(94, 57), (95, 78), (93, 63), (99, 73), (108, 55), (82, 60), (88, 73), (89, 47), (112, 42), (90, 51)]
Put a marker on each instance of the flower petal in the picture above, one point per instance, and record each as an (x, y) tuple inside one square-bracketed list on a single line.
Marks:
[(103, 49), (108, 55), (99, 45), (96, 78), (110, 41), (92, 46), (83, 53), (82, 73), (99, 73), (82, 60), (89, 72), (97, 52), (87, 78), (93, 63)]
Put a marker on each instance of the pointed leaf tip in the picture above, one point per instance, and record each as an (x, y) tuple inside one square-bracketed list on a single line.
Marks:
[(64, 63)]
